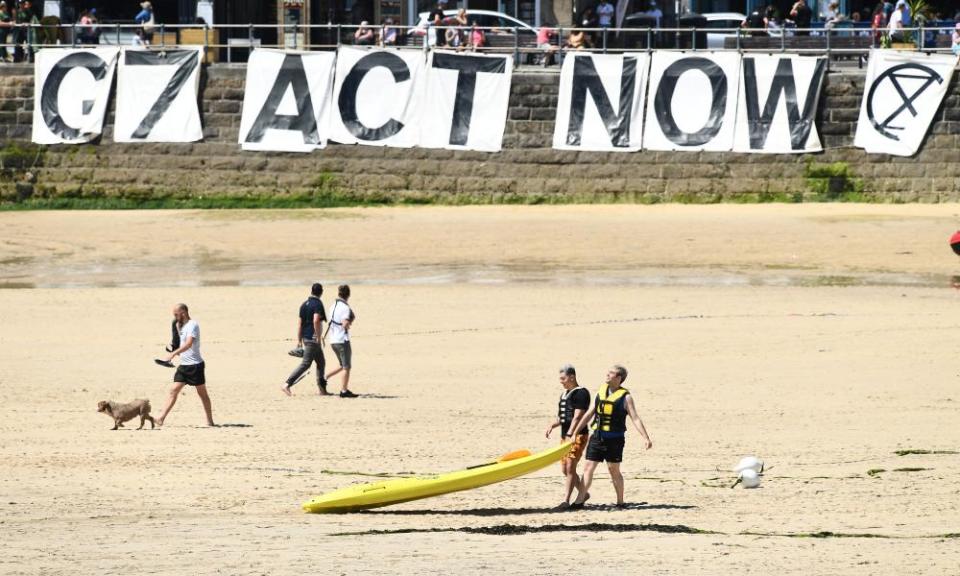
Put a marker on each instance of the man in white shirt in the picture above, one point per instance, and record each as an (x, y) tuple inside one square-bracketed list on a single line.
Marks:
[(897, 22), (191, 369), (340, 322)]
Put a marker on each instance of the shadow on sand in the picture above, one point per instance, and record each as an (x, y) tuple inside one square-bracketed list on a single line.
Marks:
[(515, 529), (526, 511)]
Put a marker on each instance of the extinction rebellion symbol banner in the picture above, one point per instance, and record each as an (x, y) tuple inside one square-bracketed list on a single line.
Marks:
[(902, 94), (298, 101)]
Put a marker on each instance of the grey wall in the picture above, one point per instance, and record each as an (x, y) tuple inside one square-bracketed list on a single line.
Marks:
[(526, 170)]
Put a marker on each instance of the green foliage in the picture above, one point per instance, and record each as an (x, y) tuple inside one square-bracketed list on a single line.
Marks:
[(834, 183), (15, 156)]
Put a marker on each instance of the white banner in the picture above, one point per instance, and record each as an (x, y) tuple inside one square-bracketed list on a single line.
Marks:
[(157, 96), (287, 101), (465, 101), (600, 106), (902, 93), (375, 97), (71, 91), (692, 104), (777, 104)]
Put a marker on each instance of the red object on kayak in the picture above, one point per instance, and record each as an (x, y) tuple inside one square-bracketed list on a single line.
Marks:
[(955, 242)]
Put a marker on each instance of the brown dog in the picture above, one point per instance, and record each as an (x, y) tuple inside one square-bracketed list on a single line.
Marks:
[(123, 412)]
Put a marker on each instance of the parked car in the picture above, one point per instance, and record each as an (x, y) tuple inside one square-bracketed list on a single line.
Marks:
[(488, 20), (722, 25)]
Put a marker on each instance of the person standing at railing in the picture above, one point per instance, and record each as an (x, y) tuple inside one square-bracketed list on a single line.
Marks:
[(801, 16), (436, 18), (388, 34), (605, 13), (25, 33), (832, 15), (547, 43), (364, 35), (589, 21), (771, 21), (955, 40), (896, 22), (907, 20), (478, 39), (147, 21), (89, 31), (754, 24), (878, 23), (6, 23), (654, 12)]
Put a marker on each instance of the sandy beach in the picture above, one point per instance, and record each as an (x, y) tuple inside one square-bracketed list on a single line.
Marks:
[(822, 338)]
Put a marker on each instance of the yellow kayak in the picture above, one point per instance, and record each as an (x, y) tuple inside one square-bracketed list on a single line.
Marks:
[(377, 494)]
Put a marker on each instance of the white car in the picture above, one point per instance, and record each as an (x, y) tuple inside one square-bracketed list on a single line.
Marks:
[(485, 19), (722, 25)]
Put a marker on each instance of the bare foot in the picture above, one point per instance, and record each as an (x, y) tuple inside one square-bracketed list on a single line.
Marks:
[(159, 421), (286, 390)]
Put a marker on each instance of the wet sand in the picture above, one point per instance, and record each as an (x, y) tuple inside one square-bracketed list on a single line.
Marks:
[(822, 338)]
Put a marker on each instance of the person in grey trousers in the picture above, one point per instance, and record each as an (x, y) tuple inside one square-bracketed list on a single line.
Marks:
[(310, 338)]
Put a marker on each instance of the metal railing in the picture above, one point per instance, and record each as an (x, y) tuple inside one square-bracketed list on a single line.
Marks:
[(220, 41)]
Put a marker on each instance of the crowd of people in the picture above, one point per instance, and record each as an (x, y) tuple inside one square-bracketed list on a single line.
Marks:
[(16, 20), (888, 21), (311, 338)]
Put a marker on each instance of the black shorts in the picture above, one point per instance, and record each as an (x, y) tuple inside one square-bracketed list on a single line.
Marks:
[(606, 449), (192, 374)]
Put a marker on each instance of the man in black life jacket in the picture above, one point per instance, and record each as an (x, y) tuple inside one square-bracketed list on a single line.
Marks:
[(574, 405), (613, 405)]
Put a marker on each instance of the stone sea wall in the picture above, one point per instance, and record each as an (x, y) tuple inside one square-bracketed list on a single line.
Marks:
[(527, 170)]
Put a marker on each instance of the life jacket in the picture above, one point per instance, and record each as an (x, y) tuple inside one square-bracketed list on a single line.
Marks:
[(610, 413), (565, 409)]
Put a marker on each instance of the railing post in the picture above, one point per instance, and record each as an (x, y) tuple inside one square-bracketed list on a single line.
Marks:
[(118, 34), (829, 56), (250, 39), (920, 39), (516, 47), (74, 41), (783, 40), (559, 45), (163, 37), (693, 39), (206, 42), (604, 39), (340, 33), (739, 49), (649, 39)]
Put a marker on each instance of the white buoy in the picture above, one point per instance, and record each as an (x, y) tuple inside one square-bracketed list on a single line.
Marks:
[(750, 478), (749, 463)]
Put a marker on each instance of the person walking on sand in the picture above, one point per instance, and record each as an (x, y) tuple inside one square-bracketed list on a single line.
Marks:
[(309, 324), (341, 320), (573, 409), (613, 405), (191, 369)]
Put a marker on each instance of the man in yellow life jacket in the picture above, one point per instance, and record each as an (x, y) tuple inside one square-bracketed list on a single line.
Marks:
[(613, 405), (574, 404)]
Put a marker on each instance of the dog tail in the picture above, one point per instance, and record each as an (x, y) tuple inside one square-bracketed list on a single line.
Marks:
[(146, 406)]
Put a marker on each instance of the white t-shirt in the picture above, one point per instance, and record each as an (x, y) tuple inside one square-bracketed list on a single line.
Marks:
[(339, 313), (190, 356), (605, 14), (896, 21)]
